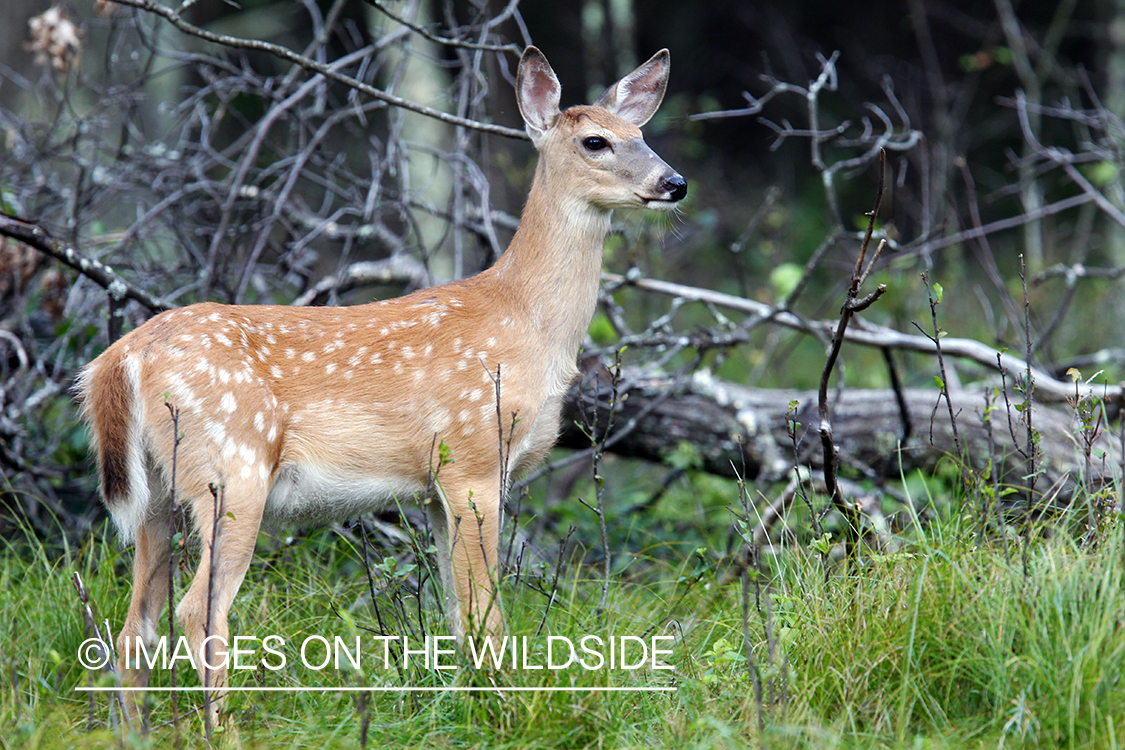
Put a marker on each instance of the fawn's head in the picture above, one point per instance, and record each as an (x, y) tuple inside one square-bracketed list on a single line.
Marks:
[(596, 152)]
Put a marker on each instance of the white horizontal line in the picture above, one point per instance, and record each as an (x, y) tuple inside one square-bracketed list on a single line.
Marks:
[(377, 689)]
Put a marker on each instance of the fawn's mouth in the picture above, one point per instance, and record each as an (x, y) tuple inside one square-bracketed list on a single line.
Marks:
[(659, 204)]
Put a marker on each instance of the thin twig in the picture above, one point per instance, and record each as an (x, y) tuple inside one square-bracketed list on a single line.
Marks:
[(852, 304), (174, 412), (284, 53), (944, 384)]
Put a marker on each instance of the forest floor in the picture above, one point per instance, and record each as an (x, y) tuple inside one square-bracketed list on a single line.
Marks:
[(951, 639)]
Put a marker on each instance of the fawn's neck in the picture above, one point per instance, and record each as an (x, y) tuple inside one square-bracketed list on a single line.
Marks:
[(554, 261)]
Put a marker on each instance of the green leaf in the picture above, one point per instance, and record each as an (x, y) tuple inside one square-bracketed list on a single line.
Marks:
[(601, 330), (1102, 173), (684, 456), (823, 545), (784, 278)]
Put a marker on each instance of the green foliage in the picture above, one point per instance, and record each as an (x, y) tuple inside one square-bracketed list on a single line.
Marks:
[(685, 456), (601, 330), (784, 278), (944, 639), (986, 59), (1102, 173)]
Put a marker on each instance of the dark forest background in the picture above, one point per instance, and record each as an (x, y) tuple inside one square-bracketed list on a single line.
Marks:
[(203, 169)]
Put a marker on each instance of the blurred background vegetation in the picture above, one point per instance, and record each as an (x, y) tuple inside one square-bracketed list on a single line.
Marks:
[(201, 171)]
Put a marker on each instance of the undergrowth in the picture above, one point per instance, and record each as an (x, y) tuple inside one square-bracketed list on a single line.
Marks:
[(950, 641)]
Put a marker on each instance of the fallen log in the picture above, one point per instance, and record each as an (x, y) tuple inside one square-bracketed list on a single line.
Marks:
[(761, 434)]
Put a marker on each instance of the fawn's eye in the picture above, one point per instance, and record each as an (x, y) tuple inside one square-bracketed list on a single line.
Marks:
[(595, 143)]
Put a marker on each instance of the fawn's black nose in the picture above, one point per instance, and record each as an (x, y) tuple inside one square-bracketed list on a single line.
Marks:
[(676, 187)]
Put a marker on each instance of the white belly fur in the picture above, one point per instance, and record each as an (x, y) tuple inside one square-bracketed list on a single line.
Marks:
[(306, 495)]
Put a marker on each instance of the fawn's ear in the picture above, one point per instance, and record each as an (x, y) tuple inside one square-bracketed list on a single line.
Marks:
[(537, 93), (636, 96)]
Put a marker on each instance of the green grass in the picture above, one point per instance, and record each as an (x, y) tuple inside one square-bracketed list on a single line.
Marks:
[(946, 644)]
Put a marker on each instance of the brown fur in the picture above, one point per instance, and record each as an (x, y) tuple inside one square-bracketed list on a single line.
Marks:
[(313, 414), (109, 423)]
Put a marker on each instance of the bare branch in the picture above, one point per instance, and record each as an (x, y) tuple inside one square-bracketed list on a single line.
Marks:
[(313, 66), (101, 274), (514, 49), (1047, 387)]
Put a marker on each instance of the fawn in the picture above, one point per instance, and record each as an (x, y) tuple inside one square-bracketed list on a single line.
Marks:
[(310, 415)]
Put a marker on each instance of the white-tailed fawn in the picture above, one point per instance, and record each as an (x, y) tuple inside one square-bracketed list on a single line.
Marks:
[(304, 416)]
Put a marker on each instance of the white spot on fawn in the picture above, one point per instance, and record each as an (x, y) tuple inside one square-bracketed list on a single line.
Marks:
[(308, 356), (227, 403), (259, 422), (438, 420), (182, 394)]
